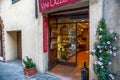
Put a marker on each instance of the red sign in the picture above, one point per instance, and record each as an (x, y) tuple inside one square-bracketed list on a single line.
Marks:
[(45, 35), (49, 4)]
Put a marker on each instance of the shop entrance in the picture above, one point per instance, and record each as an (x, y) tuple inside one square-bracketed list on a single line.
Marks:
[(68, 39)]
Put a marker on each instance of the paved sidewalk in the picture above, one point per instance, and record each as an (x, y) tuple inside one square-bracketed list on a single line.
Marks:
[(14, 71)]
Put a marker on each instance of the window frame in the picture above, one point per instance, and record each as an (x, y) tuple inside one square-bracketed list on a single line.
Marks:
[(14, 1)]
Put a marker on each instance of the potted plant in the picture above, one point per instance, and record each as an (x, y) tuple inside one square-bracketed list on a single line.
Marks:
[(30, 67)]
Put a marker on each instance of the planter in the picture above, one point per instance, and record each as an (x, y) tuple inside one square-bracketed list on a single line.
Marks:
[(30, 72)]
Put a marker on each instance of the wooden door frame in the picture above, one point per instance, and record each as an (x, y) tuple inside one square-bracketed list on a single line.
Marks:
[(19, 45), (84, 14), (49, 40)]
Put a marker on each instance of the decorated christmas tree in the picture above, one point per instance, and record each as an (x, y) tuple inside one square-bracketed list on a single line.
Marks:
[(104, 49)]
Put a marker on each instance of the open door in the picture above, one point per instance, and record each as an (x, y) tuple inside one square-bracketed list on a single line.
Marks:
[(66, 42), (52, 42), (19, 45), (62, 42)]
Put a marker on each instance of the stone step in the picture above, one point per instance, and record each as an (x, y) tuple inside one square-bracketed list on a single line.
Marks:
[(2, 59)]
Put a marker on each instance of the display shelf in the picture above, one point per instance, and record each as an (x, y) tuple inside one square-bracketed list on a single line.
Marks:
[(65, 35)]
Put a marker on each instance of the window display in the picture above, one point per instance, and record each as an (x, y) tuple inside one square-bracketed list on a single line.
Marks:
[(64, 39), (67, 38)]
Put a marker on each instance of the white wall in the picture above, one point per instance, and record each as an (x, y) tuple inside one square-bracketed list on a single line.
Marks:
[(43, 56), (21, 16), (12, 46), (96, 12)]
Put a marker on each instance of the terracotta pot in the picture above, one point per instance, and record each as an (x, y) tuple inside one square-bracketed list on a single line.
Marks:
[(30, 72)]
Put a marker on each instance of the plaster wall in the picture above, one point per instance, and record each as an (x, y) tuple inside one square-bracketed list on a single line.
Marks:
[(96, 13), (21, 17)]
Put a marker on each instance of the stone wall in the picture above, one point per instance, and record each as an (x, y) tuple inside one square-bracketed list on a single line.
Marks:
[(112, 17)]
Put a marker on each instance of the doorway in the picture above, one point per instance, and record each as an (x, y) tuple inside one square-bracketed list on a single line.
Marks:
[(68, 41), (19, 45), (14, 42)]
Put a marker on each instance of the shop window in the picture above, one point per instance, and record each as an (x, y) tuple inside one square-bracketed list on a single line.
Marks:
[(68, 37), (14, 1)]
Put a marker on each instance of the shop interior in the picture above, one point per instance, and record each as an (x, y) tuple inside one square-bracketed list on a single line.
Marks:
[(68, 40)]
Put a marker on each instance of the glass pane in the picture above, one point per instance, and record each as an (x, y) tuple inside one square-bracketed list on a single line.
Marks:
[(14, 1), (53, 42), (66, 43)]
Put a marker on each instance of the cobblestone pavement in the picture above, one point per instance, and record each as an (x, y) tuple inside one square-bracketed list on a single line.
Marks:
[(14, 71)]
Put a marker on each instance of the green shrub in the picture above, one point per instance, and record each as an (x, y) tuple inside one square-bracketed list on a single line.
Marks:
[(28, 62)]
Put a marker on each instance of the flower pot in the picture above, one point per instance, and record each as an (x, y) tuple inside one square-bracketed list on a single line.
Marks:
[(30, 72)]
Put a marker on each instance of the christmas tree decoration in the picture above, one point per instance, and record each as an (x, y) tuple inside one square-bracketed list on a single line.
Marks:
[(104, 49)]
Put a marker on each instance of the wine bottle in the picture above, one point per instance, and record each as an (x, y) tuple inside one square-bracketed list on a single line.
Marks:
[(84, 72)]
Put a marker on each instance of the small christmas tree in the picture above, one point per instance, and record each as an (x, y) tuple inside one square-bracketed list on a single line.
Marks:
[(104, 50)]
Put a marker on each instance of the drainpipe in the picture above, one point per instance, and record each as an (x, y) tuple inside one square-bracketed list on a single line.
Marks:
[(103, 8), (36, 9)]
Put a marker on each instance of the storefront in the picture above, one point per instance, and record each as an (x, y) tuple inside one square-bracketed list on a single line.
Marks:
[(68, 32), (61, 30)]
